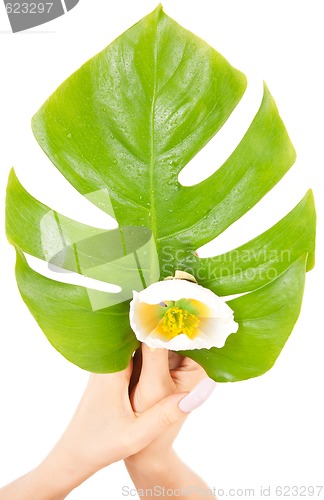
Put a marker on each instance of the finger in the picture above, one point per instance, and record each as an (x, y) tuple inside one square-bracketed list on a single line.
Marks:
[(198, 395), (114, 386), (154, 421), (127, 373), (155, 365), (168, 412), (187, 374), (115, 382), (175, 360)]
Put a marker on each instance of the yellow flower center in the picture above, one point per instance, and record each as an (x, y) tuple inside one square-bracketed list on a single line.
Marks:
[(176, 321)]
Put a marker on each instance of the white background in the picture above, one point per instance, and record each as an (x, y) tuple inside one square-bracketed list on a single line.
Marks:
[(266, 431)]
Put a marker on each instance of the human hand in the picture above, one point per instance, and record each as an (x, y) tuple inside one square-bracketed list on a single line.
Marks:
[(157, 374), (104, 429)]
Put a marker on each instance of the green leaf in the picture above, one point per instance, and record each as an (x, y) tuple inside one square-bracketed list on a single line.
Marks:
[(96, 253), (131, 118), (265, 257), (266, 318), (121, 129), (29, 223), (96, 340)]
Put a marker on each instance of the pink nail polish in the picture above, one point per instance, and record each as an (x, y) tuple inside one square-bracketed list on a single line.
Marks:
[(197, 396)]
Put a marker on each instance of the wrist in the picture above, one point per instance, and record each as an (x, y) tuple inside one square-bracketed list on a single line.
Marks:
[(38, 484), (59, 474), (151, 463)]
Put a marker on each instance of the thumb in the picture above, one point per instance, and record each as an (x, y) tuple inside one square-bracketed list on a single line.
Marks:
[(167, 412), (154, 421)]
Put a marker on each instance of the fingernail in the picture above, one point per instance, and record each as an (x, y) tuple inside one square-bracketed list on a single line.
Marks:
[(197, 396)]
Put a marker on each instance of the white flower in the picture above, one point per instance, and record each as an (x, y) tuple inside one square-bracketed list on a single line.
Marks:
[(177, 314)]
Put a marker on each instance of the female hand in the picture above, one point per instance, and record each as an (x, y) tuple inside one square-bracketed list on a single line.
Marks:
[(157, 374), (104, 429)]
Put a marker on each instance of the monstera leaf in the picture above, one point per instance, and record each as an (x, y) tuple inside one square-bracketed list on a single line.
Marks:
[(120, 130)]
